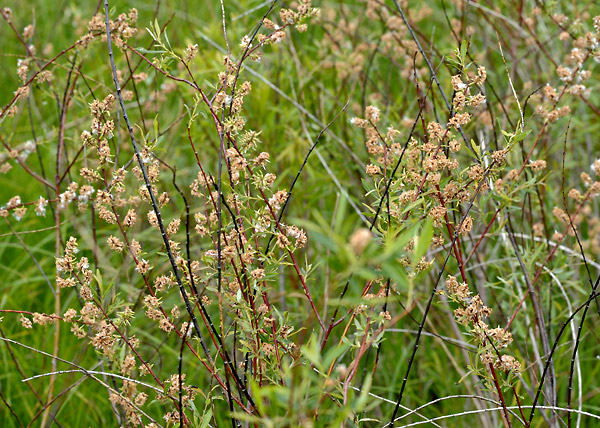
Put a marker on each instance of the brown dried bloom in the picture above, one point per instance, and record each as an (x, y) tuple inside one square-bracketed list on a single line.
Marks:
[(360, 239), (25, 322), (564, 73), (263, 309), (115, 244), (466, 226), (475, 311), (143, 266), (162, 282), (130, 218), (538, 165), (459, 120), (258, 273), (65, 282), (86, 293), (499, 156), (372, 114), (140, 399), (556, 114), (481, 76), (488, 358), (173, 226), (458, 84), (454, 145), (166, 325), (140, 77), (508, 363), (358, 122), (512, 175), (502, 337), (282, 240), (575, 194), (28, 32), (6, 13), (268, 180), (261, 159), (43, 319), (373, 170), (153, 219), (78, 331), (437, 213), (476, 100), (104, 340), (476, 172), (435, 131), (298, 235), (459, 100), (456, 290), (190, 52)]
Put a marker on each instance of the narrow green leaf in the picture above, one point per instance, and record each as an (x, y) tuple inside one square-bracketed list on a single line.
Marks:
[(424, 240)]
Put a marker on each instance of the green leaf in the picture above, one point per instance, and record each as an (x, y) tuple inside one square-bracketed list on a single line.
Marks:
[(155, 127), (206, 418), (361, 401), (341, 214), (151, 35), (463, 51), (395, 272), (150, 51), (465, 376), (157, 28), (476, 148), (423, 241), (98, 278), (167, 41), (312, 353), (334, 354)]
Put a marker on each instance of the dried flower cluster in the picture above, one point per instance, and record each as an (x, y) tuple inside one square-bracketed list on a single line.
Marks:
[(471, 313)]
